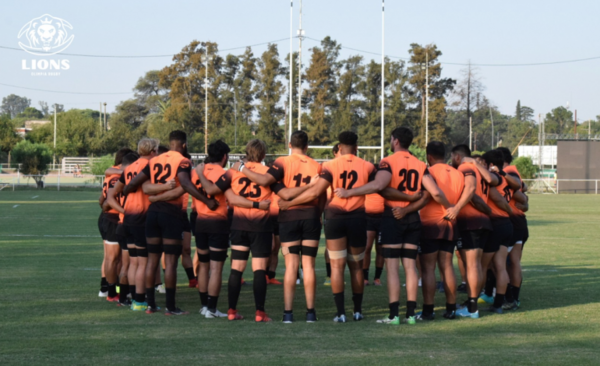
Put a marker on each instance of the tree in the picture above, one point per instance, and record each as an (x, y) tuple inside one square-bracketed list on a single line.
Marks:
[(44, 108), (31, 113), (348, 115), (525, 167), (370, 89), (8, 136), (559, 121), (33, 158), (14, 104), (467, 89), (269, 90), (148, 90), (518, 111)]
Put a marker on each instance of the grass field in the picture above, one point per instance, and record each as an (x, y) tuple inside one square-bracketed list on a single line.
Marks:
[(50, 256)]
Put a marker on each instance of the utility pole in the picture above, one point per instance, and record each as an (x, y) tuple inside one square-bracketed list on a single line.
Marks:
[(235, 116), (382, 78), (470, 133), (54, 153), (291, 74), (100, 116), (105, 121), (492, 118), (540, 141), (300, 36), (426, 95), (206, 59), (575, 128)]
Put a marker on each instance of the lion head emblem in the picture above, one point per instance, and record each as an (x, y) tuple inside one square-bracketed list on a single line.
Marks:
[(46, 35)]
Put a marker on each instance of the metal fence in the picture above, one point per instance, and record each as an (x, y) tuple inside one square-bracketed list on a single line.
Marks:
[(56, 181), (562, 186)]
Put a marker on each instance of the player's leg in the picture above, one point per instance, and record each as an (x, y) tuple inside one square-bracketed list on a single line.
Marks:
[(356, 236), (338, 252), (186, 259), (471, 250), (379, 262), (408, 255), (203, 257), (428, 257), (371, 239), (327, 268), (112, 253), (261, 251), (139, 300), (499, 264), (133, 263), (218, 254), (240, 251), (291, 256), (155, 248), (103, 282), (274, 258), (463, 273), (172, 248), (445, 262), (311, 234)]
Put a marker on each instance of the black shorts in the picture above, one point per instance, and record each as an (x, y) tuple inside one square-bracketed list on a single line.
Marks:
[(374, 223), (428, 246), (392, 231), (502, 235), (110, 231), (291, 231), (186, 223), (259, 243), (204, 241), (138, 234), (275, 224), (101, 226), (193, 217), (163, 225), (125, 237), (520, 235), (472, 239), (353, 229)]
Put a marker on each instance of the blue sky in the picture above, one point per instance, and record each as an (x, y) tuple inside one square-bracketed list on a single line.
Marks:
[(487, 32)]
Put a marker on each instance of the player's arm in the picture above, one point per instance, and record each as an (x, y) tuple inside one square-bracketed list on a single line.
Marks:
[(111, 197), (400, 212), (101, 199), (392, 194), (465, 197), (169, 195), (289, 193), (136, 182), (513, 181), (322, 202), (152, 189), (242, 202), (208, 186), (189, 187), (491, 179), (480, 205), (264, 180), (382, 180), (499, 200), (308, 196), (521, 201), (436, 193)]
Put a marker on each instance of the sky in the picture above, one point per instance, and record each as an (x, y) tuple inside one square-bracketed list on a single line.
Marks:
[(482, 32)]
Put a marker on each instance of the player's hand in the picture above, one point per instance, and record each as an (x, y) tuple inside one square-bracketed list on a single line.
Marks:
[(522, 207), (284, 205), (212, 204), (494, 169), (200, 169), (415, 197), (170, 184), (236, 166), (398, 212), (153, 199), (341, 193), (264, 205), (451, 213)]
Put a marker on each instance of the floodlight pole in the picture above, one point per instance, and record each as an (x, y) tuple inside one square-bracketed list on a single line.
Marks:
[(300, 36), (105, 122), (382, 77), (426, 95), (206, 60), (291, 73), (470, 133), (54, 153)]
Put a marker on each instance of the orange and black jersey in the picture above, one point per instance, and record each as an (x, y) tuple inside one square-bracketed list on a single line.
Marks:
[(505, 192), (296, 171), (452, 183), (211, 221), (109, 182), (518, 217), (407, 177), (137, 202), (347, 171), (469, 217), (374, 204), (248, 219), (163, 168)]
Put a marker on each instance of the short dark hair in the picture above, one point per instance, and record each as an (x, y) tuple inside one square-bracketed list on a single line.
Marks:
[(216, 151), (404, 135), (130, 158), (162, 149), (299, 140), (348, 138), (336, 148), (462, 150), (121, 154), (506, 153), (494, 157), (436, 149), (178, 136)]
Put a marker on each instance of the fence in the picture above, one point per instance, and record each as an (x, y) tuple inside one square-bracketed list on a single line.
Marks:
[(51, 181), (562, 186)]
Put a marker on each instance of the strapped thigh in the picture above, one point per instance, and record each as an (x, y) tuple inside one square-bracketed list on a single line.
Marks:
[(338, 254), (240, 255)]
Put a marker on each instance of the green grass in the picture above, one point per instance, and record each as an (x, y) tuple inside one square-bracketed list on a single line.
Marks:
[(50, 259)]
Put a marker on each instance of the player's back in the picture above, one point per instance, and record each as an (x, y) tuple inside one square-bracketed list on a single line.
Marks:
[(163, 168), (212, 172), (512, 170), (109, 182), (407, 175), (374, 204), (137, 202), (469, 217), (347, 171), (250, 219), (506, 193)]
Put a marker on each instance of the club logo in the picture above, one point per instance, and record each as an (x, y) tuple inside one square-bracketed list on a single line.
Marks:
[(45, 35)]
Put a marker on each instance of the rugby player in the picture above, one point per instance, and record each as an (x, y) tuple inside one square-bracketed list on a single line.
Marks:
[(336, 153), (300, 226), (345, 229), (405, 176), (164, 225)]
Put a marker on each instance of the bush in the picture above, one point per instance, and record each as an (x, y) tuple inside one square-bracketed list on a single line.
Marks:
[(98, 166), (525, 167), (34, 160)]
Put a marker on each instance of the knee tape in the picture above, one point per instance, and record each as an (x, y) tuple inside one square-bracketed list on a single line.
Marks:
[(218, 256), (390, 252), (132, 252), (355, 257), (203, 258), (239, 255), (408, 253), (155, 248), (294, 249), (310, 251), (141, 252), (173, 249), (338, 254)]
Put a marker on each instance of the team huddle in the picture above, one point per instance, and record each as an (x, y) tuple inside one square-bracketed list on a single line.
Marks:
[(414, 213)]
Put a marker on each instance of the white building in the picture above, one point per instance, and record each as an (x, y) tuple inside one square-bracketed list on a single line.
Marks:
[(548, 154)]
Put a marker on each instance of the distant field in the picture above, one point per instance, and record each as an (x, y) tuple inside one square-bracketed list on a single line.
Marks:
[(50, 256)]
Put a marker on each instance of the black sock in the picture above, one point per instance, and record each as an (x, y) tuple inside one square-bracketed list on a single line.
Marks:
[(203, 299), (123, 292), (339, 303), (472, 304), (366, 274), (427, 309), (509, 294), (271, 274), (260, 289), (132, 291), (490, 283), (378, 271), (498, 300), (450, 307), (410, 308), (140, 298), (515, 292), (170, 299), (212, 303), (103, 284), (328, 269), (190, 273), (357, 299), (234, 287), (310, 311), (150, 297), (394, 309), (112, 290), (287, 312)]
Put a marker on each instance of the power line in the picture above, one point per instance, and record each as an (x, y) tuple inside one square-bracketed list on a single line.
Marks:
[(64, 92)]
